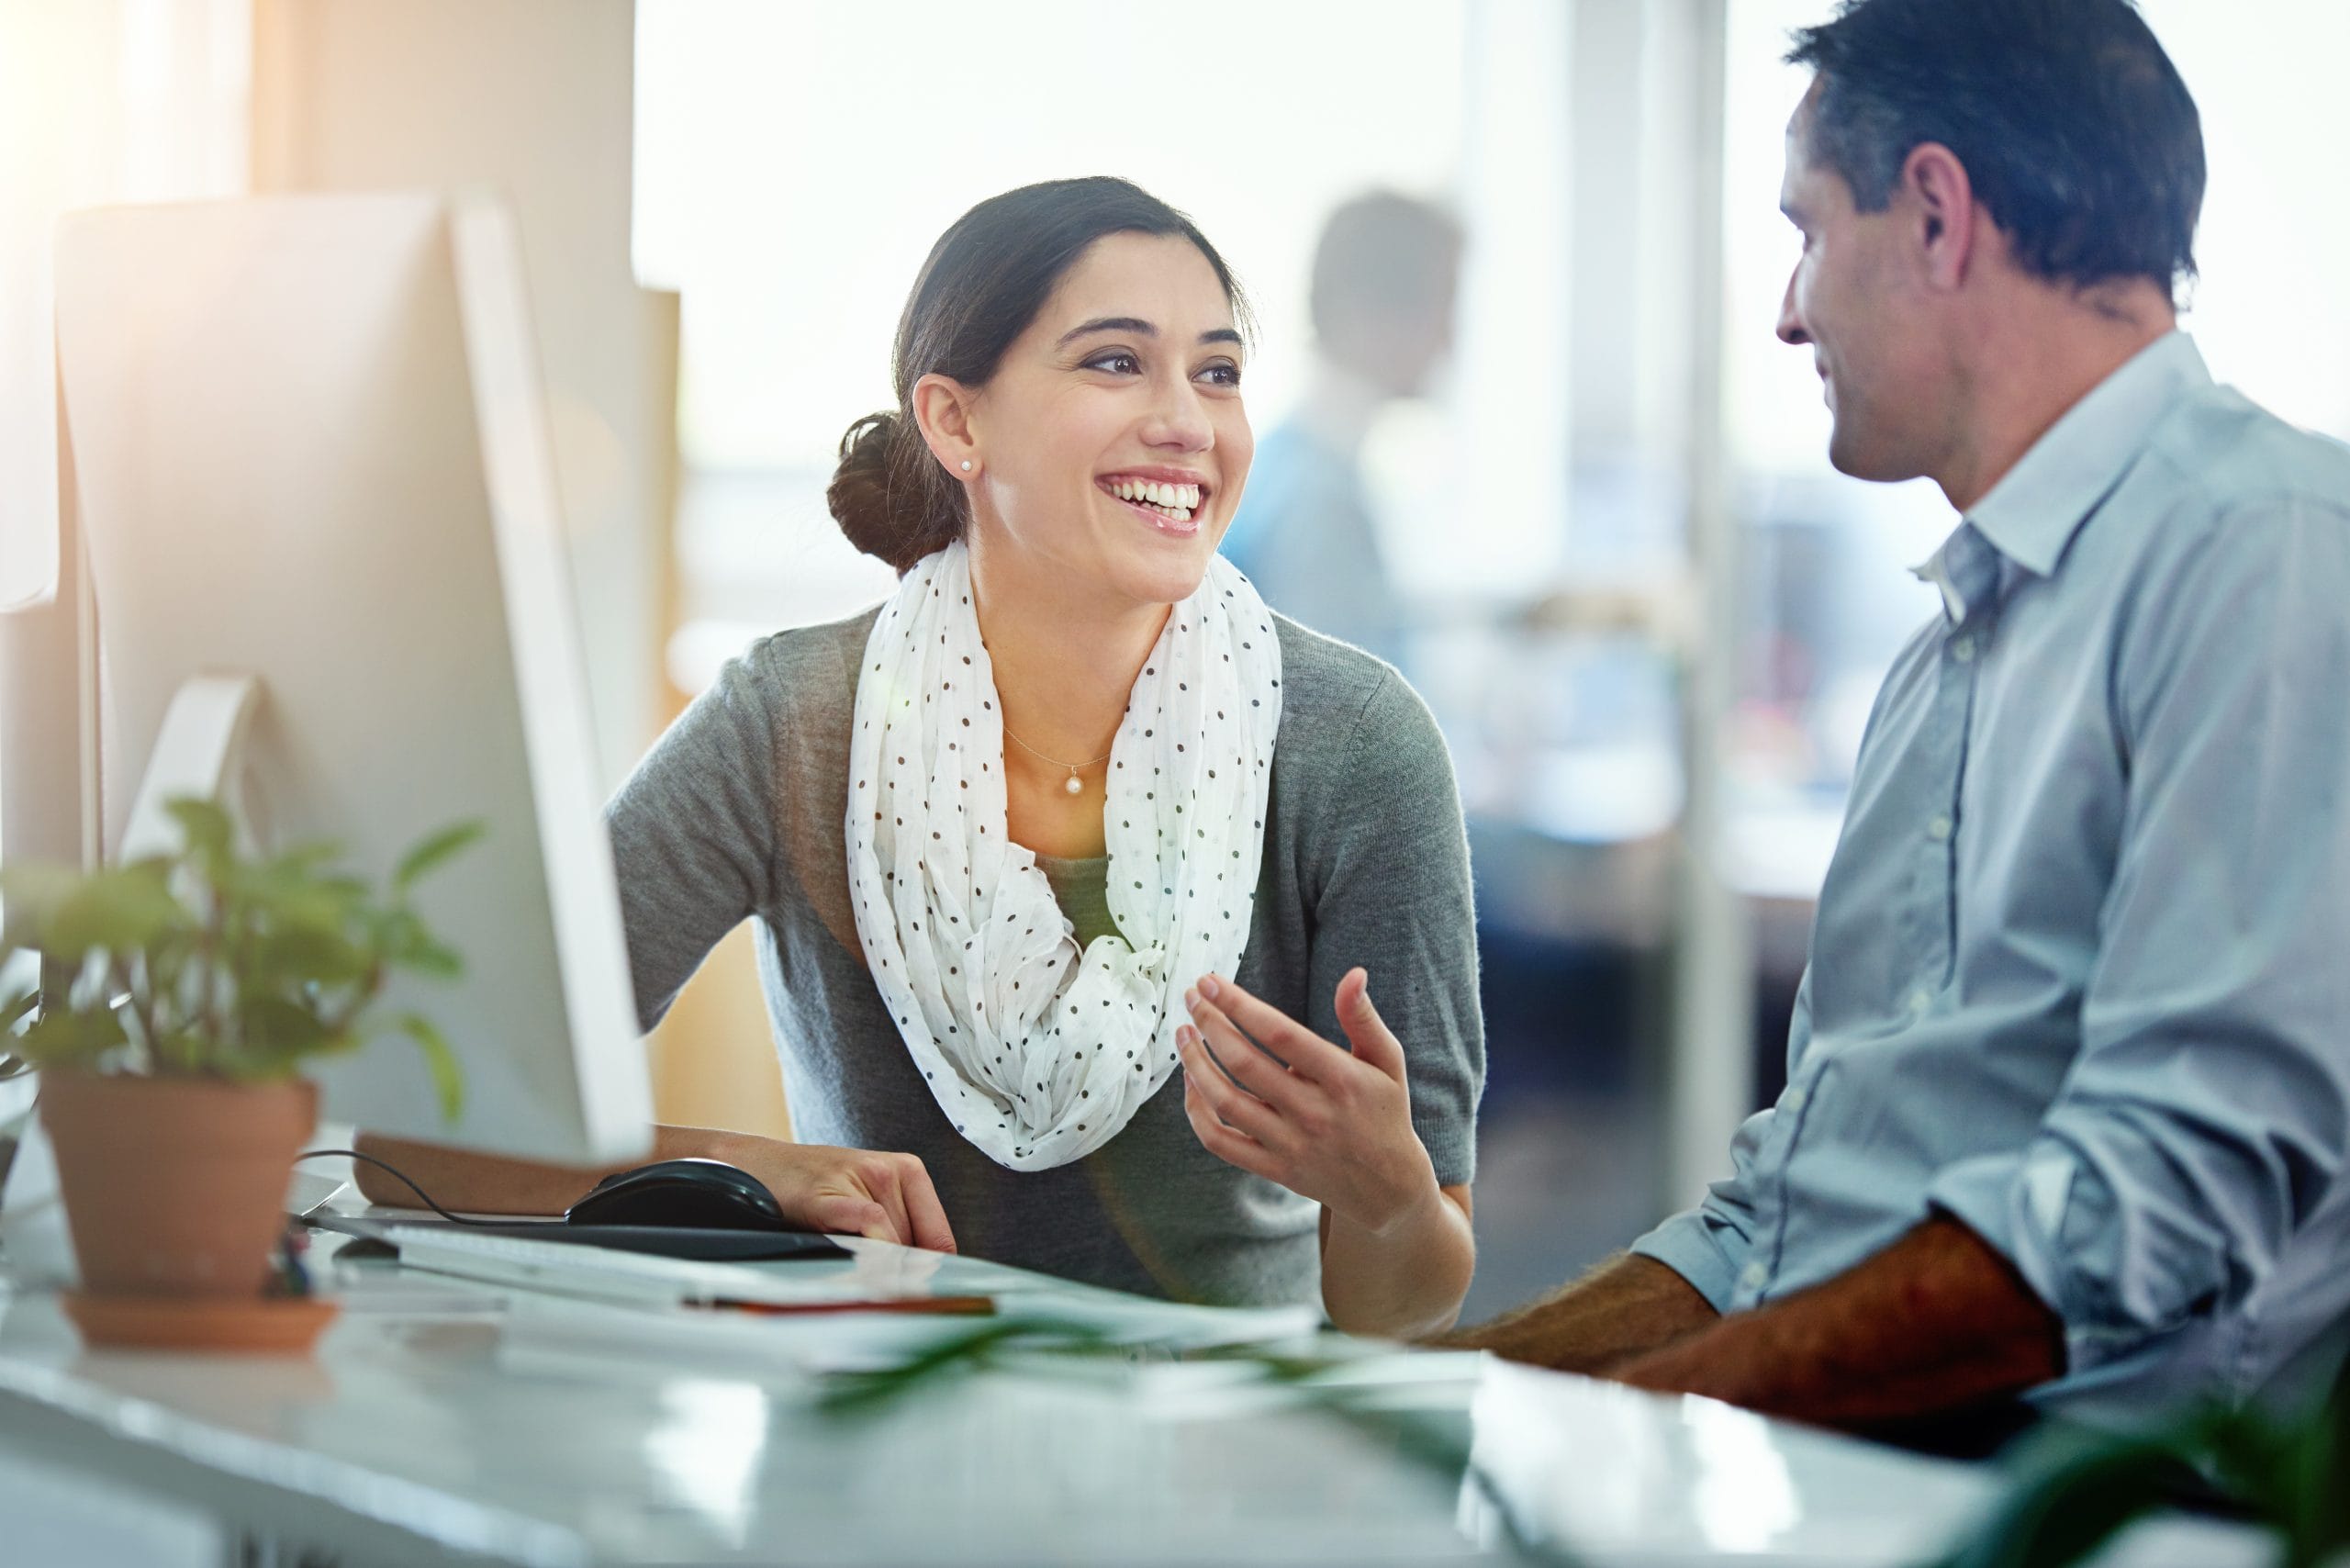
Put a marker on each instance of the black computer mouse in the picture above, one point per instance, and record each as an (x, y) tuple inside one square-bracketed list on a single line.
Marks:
[(698, 1195)]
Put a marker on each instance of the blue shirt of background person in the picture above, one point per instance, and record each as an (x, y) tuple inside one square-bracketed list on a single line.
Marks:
[(1386, 270), (2069, 1091)]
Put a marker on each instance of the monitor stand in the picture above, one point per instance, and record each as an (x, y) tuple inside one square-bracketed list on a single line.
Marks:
[(200, 752)]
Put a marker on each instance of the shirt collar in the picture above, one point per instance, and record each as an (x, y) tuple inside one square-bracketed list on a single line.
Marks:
[(2038, 505), (2032, 514)]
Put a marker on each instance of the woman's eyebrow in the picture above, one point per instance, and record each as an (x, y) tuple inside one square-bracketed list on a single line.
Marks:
[(1139, 327), (1134, 324)]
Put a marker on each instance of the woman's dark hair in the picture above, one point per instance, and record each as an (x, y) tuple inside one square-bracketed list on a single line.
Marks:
[(984, 283), (2076, 130)]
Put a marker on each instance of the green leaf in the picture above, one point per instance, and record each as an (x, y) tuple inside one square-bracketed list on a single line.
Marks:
[(403, 939), (302, 861), (118, 911), (448, 1081), (276, 1027), (439, 848), (189, 1051), (307, 906), (68, 1036), (18, 1007), (35, 889), (279, 1035), (430, 958), (2076, 1494), (207, 828), (305, 954)]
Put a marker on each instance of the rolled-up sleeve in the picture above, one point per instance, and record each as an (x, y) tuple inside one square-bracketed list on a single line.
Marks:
[(1708, 1245), (2208, 1111)]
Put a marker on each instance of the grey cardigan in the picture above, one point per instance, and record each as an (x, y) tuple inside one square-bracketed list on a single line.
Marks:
[(738, 810)]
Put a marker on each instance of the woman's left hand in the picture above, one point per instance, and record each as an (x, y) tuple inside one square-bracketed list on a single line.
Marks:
[(1268, 1094)]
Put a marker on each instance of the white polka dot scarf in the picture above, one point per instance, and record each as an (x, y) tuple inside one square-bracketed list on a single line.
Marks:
[(1039, 1054)]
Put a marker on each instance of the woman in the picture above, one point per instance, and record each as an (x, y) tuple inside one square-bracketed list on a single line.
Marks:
[(1039, 843)]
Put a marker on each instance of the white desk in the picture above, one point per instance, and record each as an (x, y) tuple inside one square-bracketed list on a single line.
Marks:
[(442, 1423)]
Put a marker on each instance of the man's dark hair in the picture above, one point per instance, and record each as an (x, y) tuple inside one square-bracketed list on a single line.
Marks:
[(2076, 130)]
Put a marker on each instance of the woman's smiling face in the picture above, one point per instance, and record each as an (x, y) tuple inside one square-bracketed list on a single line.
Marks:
[(1112, 444)]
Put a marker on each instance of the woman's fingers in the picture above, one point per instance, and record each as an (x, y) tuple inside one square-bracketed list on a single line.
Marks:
[(849, 1214), (1244, 1112), (879, 1176), (1259, 1074), (1232, 1147), (899, 1184), (850, 1192), (1306, 1052), (924, 1209), (1375, 1044)]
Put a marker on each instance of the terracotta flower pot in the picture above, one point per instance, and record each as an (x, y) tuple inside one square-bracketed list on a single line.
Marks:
[(175, 1186)]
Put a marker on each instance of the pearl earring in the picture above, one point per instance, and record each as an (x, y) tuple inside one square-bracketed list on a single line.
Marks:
[(966, 466)]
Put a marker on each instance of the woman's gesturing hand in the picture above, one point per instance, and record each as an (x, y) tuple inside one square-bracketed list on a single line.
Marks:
[(1268, 1094), (849, 1192)]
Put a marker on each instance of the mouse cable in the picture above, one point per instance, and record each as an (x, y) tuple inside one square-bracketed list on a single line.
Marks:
[(397, 1174)]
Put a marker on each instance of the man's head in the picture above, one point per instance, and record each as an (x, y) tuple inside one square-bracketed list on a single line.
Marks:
[(1959, 168), (1385, 273)]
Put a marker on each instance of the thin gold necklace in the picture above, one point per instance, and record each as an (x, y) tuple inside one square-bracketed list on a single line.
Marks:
[(1075, 786)]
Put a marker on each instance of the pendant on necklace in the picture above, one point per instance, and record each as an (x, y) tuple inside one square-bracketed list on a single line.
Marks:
[(1075, 786)]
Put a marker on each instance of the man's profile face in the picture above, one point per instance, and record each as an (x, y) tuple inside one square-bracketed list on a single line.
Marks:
[(1849, 300)]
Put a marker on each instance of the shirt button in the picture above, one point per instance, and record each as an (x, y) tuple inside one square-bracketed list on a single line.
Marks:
[(1963, 650), (1754, 1277), (1938, 828), (1792, 1101), (1920, 998)]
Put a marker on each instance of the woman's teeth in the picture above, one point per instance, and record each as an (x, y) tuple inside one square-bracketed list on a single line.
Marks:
[(1175, 501)]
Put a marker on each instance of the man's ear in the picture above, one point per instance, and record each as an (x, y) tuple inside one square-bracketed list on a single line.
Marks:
[(1947, 222), (943, 410)]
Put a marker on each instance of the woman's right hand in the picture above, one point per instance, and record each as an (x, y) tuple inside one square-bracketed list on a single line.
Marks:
[(846, 1192)]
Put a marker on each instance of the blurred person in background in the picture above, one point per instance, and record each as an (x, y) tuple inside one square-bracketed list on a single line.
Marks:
[(1386, 272), (2068, 1098)]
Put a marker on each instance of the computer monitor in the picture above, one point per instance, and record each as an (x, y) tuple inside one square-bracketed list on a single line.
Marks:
[(309, 462)]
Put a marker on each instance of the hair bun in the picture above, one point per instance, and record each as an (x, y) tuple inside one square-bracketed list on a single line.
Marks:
[(885, 497)]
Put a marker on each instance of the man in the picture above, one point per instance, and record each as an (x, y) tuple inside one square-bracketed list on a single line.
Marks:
[(2069, 1078), (1385, 273)]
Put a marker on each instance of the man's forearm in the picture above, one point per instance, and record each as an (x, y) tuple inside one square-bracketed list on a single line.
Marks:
[(471, 1182), (1936, 1323), (1626, 1307)]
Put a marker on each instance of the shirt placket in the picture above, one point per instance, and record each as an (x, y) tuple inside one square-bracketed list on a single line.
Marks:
[(1927, 920)]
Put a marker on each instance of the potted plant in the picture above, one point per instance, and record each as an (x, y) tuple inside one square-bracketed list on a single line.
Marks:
[(180, 996)]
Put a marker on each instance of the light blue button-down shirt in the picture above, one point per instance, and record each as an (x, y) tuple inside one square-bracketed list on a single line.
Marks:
[(2080, 974)]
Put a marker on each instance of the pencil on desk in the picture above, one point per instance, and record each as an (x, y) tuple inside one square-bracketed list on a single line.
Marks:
[(945, 1305)]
